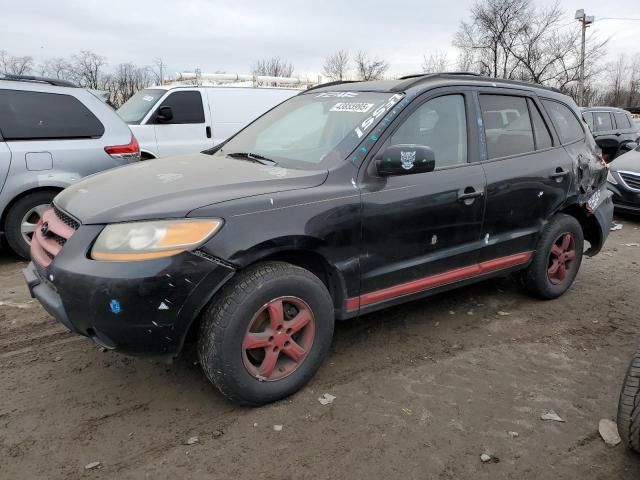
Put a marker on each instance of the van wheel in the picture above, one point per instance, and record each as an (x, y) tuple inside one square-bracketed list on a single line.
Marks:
[(266, 333), (22, 219), (557, 258), (629, 406)]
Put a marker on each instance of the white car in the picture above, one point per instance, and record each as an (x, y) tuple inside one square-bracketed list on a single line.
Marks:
[(174, 120)]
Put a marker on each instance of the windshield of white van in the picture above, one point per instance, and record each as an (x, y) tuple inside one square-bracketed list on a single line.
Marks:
[(311, 131), (135, 109)]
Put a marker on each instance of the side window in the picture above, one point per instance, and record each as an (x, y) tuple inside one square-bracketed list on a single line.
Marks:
[(507, 125), (588, 117), (540, 129), (568, 127), (441, 124), (26, 115), (185, 106), (622, 121), (602, 121)]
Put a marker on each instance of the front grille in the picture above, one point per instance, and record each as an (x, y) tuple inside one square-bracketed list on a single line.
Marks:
[(52, 232), (632, 180)]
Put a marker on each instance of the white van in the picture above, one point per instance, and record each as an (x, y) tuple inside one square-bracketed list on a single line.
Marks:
[(173, 120)]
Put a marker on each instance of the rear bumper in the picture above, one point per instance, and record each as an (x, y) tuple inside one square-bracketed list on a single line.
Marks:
[(142, 308)]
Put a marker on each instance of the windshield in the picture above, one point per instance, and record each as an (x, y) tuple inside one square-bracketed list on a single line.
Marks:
[(312, 131), (134, 109)]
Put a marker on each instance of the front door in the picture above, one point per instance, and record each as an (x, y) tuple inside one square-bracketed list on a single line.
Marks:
[(420, 231), (189, 129)]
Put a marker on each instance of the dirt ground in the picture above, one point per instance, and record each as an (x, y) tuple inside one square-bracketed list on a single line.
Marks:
[(422, 390)]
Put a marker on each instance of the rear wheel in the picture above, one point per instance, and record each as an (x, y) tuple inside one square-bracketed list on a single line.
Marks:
[(22, 219), (266, 333), (557, 258), (629, 406)]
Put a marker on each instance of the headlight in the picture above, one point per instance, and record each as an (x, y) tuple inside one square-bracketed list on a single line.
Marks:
[(611, 178), (153, 239)]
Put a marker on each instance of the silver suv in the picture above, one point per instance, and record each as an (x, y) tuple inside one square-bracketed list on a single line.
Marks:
[(52, 133)]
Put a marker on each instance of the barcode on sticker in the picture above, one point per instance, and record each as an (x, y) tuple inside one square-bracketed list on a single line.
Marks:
[(352, 107)]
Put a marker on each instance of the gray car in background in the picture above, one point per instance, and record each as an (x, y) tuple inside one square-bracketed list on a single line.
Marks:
[(52, 133)]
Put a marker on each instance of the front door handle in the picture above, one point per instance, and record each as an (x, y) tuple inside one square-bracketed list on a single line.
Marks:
[(208, 131), (469, 195)]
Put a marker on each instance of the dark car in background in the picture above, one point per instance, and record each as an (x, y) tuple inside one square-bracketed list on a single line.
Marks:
[(624, 181), (611, 128), (343, 200)]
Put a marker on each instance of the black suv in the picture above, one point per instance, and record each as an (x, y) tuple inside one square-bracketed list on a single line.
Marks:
[(345, 199), (612, 128)]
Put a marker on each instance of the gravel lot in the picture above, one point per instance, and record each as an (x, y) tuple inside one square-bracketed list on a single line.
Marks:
[(422, 390)]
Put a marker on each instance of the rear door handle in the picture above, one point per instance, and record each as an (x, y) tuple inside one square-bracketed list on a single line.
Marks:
[(208, 131), (559, 173)]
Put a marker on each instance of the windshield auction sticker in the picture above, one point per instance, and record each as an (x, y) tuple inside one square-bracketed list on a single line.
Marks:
[(357, 107)]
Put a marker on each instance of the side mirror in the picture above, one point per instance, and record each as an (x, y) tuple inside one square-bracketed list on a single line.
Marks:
[(164, 114), (629, 146), (405, 159)]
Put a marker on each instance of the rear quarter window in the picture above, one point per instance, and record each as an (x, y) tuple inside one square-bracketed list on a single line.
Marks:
[(26, 115), (568, 127)]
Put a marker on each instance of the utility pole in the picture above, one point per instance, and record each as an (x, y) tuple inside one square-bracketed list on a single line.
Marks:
[(585, 20)]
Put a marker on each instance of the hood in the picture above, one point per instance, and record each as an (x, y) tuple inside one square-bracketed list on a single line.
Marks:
[(172, 187), (629, 161)]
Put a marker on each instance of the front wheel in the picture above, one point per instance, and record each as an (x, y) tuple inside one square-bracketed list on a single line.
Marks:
[(266, 333), (557, 258)]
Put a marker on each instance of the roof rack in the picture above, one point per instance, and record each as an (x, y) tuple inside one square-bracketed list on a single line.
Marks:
[(329, 84), (418, 75), (32, 78), (413, 80)]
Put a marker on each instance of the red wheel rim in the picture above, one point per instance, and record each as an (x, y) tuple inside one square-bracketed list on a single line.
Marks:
[(278, 339), (561, 258)]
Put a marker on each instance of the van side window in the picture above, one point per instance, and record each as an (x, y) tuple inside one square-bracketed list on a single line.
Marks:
[(26, 115), (541, 131), (441, 124), (568, 127), (622, 121), (602, 121), (185, 106), (507, 125)]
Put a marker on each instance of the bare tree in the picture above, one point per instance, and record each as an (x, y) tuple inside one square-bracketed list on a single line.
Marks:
[(494, 28), (370, 69), (436, 62), (87, 68), (336, 65), (272, 67), (58, 67), (15, 65), (158, 70)]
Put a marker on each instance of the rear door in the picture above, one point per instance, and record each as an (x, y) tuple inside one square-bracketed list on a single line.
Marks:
[(5, 162), (604, 133), (624, 128), (189, 130), (528, 172)]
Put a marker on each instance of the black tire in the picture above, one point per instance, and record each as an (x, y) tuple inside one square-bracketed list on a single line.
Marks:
[(536, 278), (15, 215), (228, 318), (629, 406)]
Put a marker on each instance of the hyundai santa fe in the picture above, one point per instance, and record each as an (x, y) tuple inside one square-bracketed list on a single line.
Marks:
[(345, 199)]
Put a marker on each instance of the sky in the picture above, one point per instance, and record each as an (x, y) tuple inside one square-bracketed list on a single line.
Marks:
[(230, 36)]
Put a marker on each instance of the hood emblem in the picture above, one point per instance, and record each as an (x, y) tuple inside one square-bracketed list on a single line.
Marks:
[(407, 159)]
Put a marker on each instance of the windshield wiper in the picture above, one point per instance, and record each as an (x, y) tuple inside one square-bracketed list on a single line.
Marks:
[(254, 157)]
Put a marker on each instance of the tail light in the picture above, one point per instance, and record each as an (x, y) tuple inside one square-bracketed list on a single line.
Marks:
[(129, 152)]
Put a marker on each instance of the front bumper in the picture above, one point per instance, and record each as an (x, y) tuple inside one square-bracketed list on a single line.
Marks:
[(625, 200), (141, 308)]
